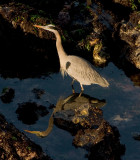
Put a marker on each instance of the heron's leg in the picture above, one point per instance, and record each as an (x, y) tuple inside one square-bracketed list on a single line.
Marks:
[(72, 86), (82, 90)]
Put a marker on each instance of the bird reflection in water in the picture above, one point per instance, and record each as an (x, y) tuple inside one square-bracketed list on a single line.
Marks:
[(83, 118), (71, 103)]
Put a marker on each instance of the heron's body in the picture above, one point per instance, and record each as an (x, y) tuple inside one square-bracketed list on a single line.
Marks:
[(76, 67), (82, 71)]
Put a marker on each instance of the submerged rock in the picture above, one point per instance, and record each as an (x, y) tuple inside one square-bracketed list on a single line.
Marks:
[(30, 112), (136, 136), (7, 95), (38, 92)]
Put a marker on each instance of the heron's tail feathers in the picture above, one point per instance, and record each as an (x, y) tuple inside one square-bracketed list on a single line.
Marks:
[(63, 73), (104, 83)]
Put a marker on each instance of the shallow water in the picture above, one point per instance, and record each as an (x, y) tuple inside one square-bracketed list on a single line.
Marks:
[(122, 110)]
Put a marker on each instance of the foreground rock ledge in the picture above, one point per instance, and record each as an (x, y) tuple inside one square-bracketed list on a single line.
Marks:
[(15, 145)]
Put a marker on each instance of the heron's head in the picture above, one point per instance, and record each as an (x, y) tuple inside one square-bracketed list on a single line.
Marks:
[(49, 27)]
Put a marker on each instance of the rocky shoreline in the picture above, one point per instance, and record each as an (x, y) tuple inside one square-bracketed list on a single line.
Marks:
[(98, 31), (92, 30)]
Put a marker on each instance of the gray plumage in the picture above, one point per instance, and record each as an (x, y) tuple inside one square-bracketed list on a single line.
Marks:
[(83, 72), (76, 67)]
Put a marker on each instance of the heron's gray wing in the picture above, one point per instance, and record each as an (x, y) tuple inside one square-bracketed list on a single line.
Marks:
[(81, 70)]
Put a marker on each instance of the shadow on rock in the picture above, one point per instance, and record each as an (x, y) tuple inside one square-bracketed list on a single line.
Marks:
[(30, 112)]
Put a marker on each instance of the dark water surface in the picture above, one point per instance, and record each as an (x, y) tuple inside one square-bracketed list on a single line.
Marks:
[(122, 110)]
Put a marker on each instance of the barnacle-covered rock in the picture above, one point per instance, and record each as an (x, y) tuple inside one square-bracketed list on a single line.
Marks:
[(130, 33), (15, 145)]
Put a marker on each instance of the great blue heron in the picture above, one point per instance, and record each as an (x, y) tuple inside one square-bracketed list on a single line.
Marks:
[(78, 68)]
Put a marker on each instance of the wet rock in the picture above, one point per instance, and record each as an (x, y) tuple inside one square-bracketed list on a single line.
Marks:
[(7, 95), (102, 143), (135, 78), (30, 112), (123, 2), (79, 112), (15, 145), (136, 136), (133, 5), (83, 118), (89, 2), (130, 33), (109, 148), (79, 117), (38, 93), (100, 57), (22, 16), (92, 26)]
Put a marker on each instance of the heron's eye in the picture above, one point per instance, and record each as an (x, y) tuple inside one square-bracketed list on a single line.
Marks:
[(52, 27)]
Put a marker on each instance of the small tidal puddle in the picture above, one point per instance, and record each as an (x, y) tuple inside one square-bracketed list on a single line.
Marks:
[(122, 110)]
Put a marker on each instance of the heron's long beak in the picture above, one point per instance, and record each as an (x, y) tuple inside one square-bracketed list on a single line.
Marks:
[(38, 26)]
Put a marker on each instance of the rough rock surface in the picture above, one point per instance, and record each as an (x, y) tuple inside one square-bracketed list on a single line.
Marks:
[(123, 2), (82, 30), (130, 33), (14, 145), (83, 118), (86, 29)]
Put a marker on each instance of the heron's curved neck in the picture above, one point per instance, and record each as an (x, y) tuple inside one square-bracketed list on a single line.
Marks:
[(62, 54)]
